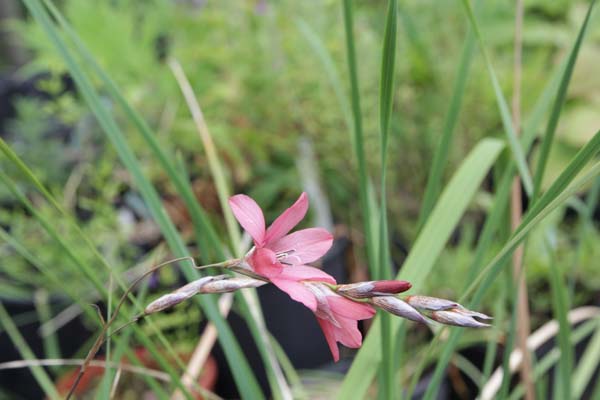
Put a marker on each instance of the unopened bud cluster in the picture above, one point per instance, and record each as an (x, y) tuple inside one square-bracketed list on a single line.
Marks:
[(381, 294), (422, 309), (207, 284)]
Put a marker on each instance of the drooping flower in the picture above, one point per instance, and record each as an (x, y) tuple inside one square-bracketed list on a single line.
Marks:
[(282, 258), (338, 317)]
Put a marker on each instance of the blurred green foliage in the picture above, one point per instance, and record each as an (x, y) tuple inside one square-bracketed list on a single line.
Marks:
[(262, 87)]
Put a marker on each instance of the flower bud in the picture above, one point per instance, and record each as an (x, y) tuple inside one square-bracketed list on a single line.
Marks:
[(475, 314), (179, 295), (398, 307), (230, 285), (430, 303), (195, 286), (166, 301), (362, 290), (460, 317)]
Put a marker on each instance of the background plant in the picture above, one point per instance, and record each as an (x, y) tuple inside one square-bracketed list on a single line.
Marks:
[(268, 74)]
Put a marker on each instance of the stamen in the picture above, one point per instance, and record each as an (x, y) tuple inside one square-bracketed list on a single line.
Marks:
[(284, 254)]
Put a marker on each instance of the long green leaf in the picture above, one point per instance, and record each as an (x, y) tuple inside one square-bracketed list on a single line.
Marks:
[(558, 103), (513, 141), (553, 356), (491, 271), (252, 311), (587, 365), (243, 374), (501, 201), (330, 70), (75, 258), (560, 304), (200, 222), (358, 142), (386, 101), (446, 215), (205, 232), (15, 336), (434, 179)]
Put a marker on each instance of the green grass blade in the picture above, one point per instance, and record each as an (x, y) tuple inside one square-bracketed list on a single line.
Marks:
[(434, 179), (199, 219), (560, 304), (71, 254), (214, 163), (44, 311), (558, 104), (513, 141), (386, 100), (490, 273), (556, 191), (330, 70), (253, 312), (243, 374), (15, 336), (358, 142), (290, 372), (587, 365), (205, 233), (553, 356), (508, 348), (494, 219), (453, 202)]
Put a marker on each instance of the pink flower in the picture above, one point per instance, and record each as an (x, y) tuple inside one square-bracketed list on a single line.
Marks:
[(338, 317), (281, 258), (274, 248)]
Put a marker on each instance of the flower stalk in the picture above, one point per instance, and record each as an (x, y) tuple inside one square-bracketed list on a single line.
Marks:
[(280, 258)]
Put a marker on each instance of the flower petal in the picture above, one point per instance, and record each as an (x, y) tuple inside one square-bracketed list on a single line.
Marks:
[(288, 219), (264, 263), (250, 217), (350, 309), (304, 246), (330, 336), (348, 334), (305, 273), (297, 291)]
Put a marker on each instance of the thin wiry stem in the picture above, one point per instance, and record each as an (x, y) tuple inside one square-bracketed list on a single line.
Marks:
[(102, 337), (49, 362), (203, 348), (523, 326)]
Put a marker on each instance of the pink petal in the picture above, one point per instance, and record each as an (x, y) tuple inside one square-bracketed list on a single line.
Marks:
[(264, 262), (289, 219), (348, 333), (304, 246), (250, 216), (297, 291), (330, 336), (350, 309), (305, 273)]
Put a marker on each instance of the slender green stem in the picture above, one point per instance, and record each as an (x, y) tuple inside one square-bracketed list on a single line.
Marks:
[(515, 147), (434, 179), (557, 107), (386, 94), (15, 336), (359, 150)]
